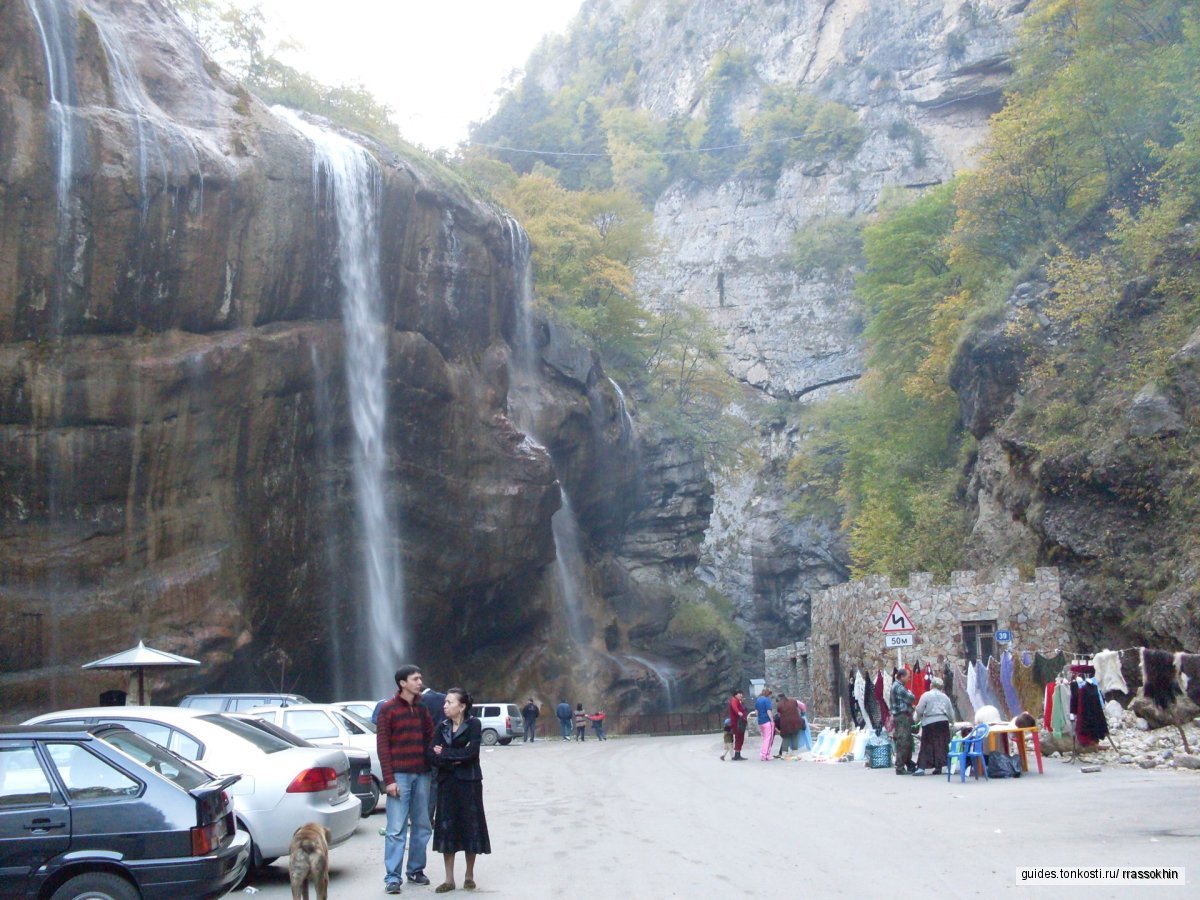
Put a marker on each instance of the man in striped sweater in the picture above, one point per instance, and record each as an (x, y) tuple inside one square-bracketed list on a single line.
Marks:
[(402, 736)]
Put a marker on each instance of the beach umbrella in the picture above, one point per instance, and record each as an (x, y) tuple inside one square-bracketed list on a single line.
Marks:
[(140, 658)]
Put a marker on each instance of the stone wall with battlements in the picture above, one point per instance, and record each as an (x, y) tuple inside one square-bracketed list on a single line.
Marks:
[(848, 619)]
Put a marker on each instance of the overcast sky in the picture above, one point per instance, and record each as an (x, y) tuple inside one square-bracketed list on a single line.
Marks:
[(436, 63)]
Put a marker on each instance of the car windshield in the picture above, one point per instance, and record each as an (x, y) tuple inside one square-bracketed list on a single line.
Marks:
[(157, 758), (267, 743)]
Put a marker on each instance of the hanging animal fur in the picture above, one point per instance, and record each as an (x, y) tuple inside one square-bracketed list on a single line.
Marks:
[(1189, 674), (1159, 681)]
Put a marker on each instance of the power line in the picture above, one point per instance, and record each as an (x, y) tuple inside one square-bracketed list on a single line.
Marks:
[(690, 151)]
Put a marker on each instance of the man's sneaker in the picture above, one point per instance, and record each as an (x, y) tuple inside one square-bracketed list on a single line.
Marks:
[(417, 878), (919, 772), (391, 887)]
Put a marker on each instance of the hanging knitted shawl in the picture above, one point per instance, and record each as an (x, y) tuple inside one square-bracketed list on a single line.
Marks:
[(1007, 664), (1030, 694), (1092, 725), (884, 713), (1047, 668), (962, 699), (860, 699), (870, 703), (996, 689)]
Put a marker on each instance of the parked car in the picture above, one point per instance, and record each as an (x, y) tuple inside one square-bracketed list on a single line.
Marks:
[(239, 702), (324, 725), (362, 782), (101, 812), (282, 785), (364, 709), (501, 722)]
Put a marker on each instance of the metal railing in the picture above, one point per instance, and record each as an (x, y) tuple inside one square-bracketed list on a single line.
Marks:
[(666, 723)]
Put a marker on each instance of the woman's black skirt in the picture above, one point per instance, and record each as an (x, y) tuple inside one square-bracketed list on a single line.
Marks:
[(459, 825), (935, 746)]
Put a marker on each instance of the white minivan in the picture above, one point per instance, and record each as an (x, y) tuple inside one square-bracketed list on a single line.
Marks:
[(501, 722)]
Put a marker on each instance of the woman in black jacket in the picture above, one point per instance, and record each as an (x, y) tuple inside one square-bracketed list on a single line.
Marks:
[(459, 824)]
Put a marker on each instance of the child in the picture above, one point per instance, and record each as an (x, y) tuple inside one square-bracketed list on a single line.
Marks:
[(728, 748)]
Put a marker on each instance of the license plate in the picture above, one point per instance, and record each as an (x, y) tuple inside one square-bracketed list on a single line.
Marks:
[(343, 787)]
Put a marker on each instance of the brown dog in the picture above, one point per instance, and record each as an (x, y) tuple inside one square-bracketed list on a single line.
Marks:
[(309, 861)]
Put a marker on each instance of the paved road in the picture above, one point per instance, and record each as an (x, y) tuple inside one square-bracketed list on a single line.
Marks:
[(663, 817)]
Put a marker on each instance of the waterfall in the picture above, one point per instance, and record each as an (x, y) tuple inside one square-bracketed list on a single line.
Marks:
[(58, 47), (350, 177), (569, 572), (160, 139), (661, 671), (626, 419), (323, 411), (155, 134)]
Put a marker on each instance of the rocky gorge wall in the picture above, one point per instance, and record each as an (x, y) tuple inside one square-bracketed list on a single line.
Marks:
[(177, 448), (922, 79)]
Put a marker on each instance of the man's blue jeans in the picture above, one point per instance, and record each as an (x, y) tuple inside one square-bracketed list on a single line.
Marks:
[(412, 804), (566, 728), (531, 730)]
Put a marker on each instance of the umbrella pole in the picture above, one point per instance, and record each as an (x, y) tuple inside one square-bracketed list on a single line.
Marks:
[(141, 687)]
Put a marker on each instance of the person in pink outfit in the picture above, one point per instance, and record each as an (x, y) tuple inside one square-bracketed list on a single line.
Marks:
[(766, 723)]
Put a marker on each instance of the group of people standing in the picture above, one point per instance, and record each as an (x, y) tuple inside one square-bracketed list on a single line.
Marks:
[(578, 720), (429, 754), (786, 718), (568, 720)]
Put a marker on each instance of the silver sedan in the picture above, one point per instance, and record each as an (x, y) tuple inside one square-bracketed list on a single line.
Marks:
[(282, 786)]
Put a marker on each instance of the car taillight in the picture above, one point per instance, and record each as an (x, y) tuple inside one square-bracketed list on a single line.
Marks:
[(206, 838), (310, 781), (364, 778), (508, 723)]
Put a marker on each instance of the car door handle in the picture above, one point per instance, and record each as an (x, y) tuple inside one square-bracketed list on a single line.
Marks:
[(44, 825)]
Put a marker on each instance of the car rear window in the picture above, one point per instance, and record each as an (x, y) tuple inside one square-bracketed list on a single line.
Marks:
[(267, 743), (154, 757), (310, 724), (513, 711), (214, 703)]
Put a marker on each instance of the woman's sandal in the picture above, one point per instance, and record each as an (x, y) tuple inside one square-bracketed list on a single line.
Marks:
[(444, 888), (469, 884)]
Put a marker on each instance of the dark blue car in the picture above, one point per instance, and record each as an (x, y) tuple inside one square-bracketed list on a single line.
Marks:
[(101, 812)]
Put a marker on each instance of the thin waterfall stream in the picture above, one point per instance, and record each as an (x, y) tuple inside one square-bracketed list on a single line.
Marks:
[(569, 572), (350, 177)]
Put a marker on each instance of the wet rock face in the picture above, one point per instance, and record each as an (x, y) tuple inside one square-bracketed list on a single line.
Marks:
[(176, 446)]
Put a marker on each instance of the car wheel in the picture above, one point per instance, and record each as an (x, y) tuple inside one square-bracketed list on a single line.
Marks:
[(96, 886), (504, 742), (369, 807), (257, 860), (490, 737)]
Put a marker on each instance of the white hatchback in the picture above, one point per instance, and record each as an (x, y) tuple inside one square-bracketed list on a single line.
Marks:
[(281, 785)]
